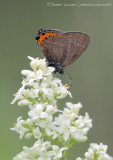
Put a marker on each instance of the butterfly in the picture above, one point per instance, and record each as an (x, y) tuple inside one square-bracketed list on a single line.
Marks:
[(61, 49)]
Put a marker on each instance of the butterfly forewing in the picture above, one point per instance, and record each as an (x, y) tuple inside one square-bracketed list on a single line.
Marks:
[(76, 43), (54, 48)]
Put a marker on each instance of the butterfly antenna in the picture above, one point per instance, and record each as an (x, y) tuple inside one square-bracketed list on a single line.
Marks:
[(68, 77)]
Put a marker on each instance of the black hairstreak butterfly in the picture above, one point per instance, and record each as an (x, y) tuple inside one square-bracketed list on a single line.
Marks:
[(61, 49)]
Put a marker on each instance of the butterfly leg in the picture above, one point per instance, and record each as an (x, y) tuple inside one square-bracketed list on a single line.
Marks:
[(68, 77)]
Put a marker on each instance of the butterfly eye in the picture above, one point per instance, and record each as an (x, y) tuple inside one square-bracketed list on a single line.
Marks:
[(37, 37)]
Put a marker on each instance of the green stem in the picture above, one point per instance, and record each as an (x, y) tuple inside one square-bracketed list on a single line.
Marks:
[(54, 141), (65, 154), (66, 151), (69, 144), (95, 157)]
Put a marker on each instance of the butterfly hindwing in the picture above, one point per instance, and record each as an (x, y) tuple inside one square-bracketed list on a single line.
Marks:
[(76, 43)]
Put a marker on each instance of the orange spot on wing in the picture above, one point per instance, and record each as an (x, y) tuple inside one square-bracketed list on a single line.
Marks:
[(46, 35)]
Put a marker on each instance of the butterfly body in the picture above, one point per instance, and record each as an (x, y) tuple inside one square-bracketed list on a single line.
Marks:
[(61, 49)]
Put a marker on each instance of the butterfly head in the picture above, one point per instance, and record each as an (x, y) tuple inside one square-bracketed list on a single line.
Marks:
[(40, 31)]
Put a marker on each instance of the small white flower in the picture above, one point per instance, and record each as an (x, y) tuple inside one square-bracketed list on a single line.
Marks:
[(47, 71), (19, 95), (65, 127), (56, 132), (50, 109), (99, 151), (36, 63), (84, 120), (18, 127), (58, 152), (37, 113), (63, 92), (37, 133), (74, 107), (78, 135)]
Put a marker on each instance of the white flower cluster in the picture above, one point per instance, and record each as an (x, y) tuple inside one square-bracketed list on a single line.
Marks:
[(71, 125), (41, 151), (40, 85), (40, 91), (67, 124), (96, 152)]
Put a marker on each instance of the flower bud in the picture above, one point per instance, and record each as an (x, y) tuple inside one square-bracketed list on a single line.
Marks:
[(25, 72), (72, 116), (28, 135), (24, 102), (88, 155), (33, 65), (81, 125), (49, 109), (84, 139), (78, 158), (29, 121)]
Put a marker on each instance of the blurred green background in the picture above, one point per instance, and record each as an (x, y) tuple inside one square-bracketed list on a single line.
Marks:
[(92, 73)]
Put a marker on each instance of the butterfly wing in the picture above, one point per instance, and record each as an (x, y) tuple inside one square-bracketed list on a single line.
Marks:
[(53, 46), (76, 43)]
